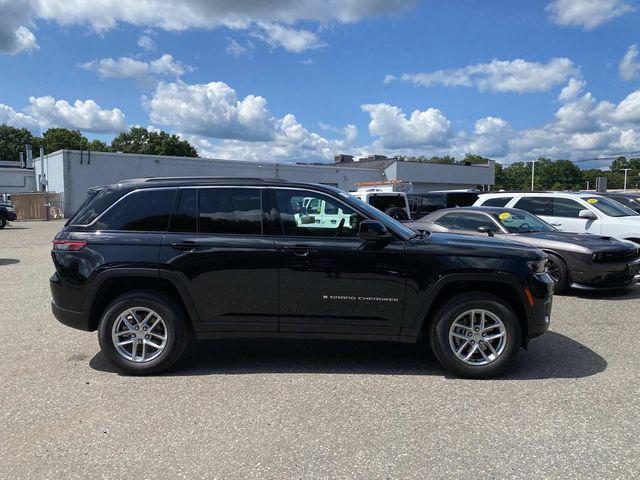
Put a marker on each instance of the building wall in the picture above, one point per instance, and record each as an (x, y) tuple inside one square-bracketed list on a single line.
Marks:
[(16, 180), (72, 173)]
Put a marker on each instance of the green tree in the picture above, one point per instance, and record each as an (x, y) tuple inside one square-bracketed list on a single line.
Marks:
[(56, 139), (142, 141), (98, 146), (13, 140)]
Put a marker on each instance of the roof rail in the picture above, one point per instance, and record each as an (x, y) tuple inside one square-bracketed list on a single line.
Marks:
[(210, 178)]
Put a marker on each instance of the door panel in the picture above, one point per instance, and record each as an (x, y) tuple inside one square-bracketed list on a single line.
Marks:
[(232, 280), (228, 267), (329, 281)]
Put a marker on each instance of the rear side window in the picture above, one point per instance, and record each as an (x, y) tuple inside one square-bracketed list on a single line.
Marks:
[(141, 211), (186, 218), (496, 202), (230, 211), (535, 205)]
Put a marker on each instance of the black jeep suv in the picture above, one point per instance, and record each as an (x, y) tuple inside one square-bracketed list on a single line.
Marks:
[(151, 262)]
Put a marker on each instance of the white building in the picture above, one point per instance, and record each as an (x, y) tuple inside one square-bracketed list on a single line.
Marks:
[(72, 172), (15, 178)]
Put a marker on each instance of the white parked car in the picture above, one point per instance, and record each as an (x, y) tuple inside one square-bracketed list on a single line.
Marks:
[(573, 212)]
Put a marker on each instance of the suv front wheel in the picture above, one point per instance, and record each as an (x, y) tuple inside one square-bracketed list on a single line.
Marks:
[(142, 332), (476, 335)]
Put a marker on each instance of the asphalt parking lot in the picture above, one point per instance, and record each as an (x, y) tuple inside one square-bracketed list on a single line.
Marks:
[(278, 409)]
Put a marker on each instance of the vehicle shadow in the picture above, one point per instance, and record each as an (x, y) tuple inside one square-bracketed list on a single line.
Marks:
[(551, 356), (8, 261)]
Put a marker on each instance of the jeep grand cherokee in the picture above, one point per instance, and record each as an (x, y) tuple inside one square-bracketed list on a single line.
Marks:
[(149, 263)]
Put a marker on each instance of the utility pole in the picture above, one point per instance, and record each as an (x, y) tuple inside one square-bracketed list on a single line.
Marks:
[(533, 172), (587, 185), (625, 170)]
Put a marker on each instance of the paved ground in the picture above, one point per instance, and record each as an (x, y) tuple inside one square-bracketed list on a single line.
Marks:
[(313, 410)]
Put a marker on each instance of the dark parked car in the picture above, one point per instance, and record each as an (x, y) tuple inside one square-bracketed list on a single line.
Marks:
[(151, 262), (421, 204), (576, 260), (7, 214), (631, 200)]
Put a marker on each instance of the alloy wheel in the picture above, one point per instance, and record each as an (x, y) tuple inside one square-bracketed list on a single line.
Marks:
[(139, 334), (477, 337)]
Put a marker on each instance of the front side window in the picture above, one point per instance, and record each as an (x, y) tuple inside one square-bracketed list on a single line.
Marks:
[(565, 207), (140, 211), (230, 211), (320, 216), (535, 205)]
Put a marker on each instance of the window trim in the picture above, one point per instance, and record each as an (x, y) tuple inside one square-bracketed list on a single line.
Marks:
[(125, 196)]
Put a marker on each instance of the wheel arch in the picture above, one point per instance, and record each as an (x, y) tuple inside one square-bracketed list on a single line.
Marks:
[(503, 286), (113, 283)]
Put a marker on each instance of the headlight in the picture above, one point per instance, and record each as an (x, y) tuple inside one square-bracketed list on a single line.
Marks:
[(537, 266)]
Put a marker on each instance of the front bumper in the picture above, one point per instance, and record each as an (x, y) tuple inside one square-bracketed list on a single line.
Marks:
[(539, 313), (606, 276), (11, 216)]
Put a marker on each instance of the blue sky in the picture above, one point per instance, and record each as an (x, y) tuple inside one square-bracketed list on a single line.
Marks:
[(303, 80)]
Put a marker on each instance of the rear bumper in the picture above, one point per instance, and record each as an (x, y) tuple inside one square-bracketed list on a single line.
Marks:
[(70, 318)]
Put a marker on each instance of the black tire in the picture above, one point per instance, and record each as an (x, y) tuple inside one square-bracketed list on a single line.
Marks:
[(457, 305), (558, 272), (3, 223), (397, 213), (177, 331)]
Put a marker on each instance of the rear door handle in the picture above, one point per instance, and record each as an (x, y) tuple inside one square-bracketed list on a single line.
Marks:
[(184, 245)]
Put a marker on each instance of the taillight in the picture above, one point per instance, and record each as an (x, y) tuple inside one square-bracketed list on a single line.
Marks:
[(69, 245)]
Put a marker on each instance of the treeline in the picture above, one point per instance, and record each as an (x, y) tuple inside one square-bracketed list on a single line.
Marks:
[(136, 140), (550, 174)]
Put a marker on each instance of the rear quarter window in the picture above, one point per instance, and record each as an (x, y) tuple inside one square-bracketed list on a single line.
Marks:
[(140, 211), (496, 201)]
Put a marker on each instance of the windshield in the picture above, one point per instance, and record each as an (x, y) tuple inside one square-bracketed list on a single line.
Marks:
[(378, 215), (610, 207), (522, 222)]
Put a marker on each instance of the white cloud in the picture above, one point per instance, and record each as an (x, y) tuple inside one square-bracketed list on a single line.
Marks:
[(394, 130), (15, 36), (572, 90), (211, 110), (499, 76), (491, 137), (179, 15), (146, 43), (628, 110), (84, 115), (290, 39), (629, 67), (46, 112), (126, 67), (587, 14), (234, 48)]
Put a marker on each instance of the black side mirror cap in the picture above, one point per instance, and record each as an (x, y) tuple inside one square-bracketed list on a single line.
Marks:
[(486, 230), (372, 231)]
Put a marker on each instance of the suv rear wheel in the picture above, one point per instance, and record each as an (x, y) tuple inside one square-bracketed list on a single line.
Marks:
[(475, 335), (143, 332)]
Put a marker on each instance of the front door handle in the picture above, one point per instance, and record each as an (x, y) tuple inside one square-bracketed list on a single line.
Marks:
[(298, 250), (184, 245)]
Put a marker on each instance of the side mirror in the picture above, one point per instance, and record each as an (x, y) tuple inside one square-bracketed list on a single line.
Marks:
[(486, 230), (588, 214), (372, 231)]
